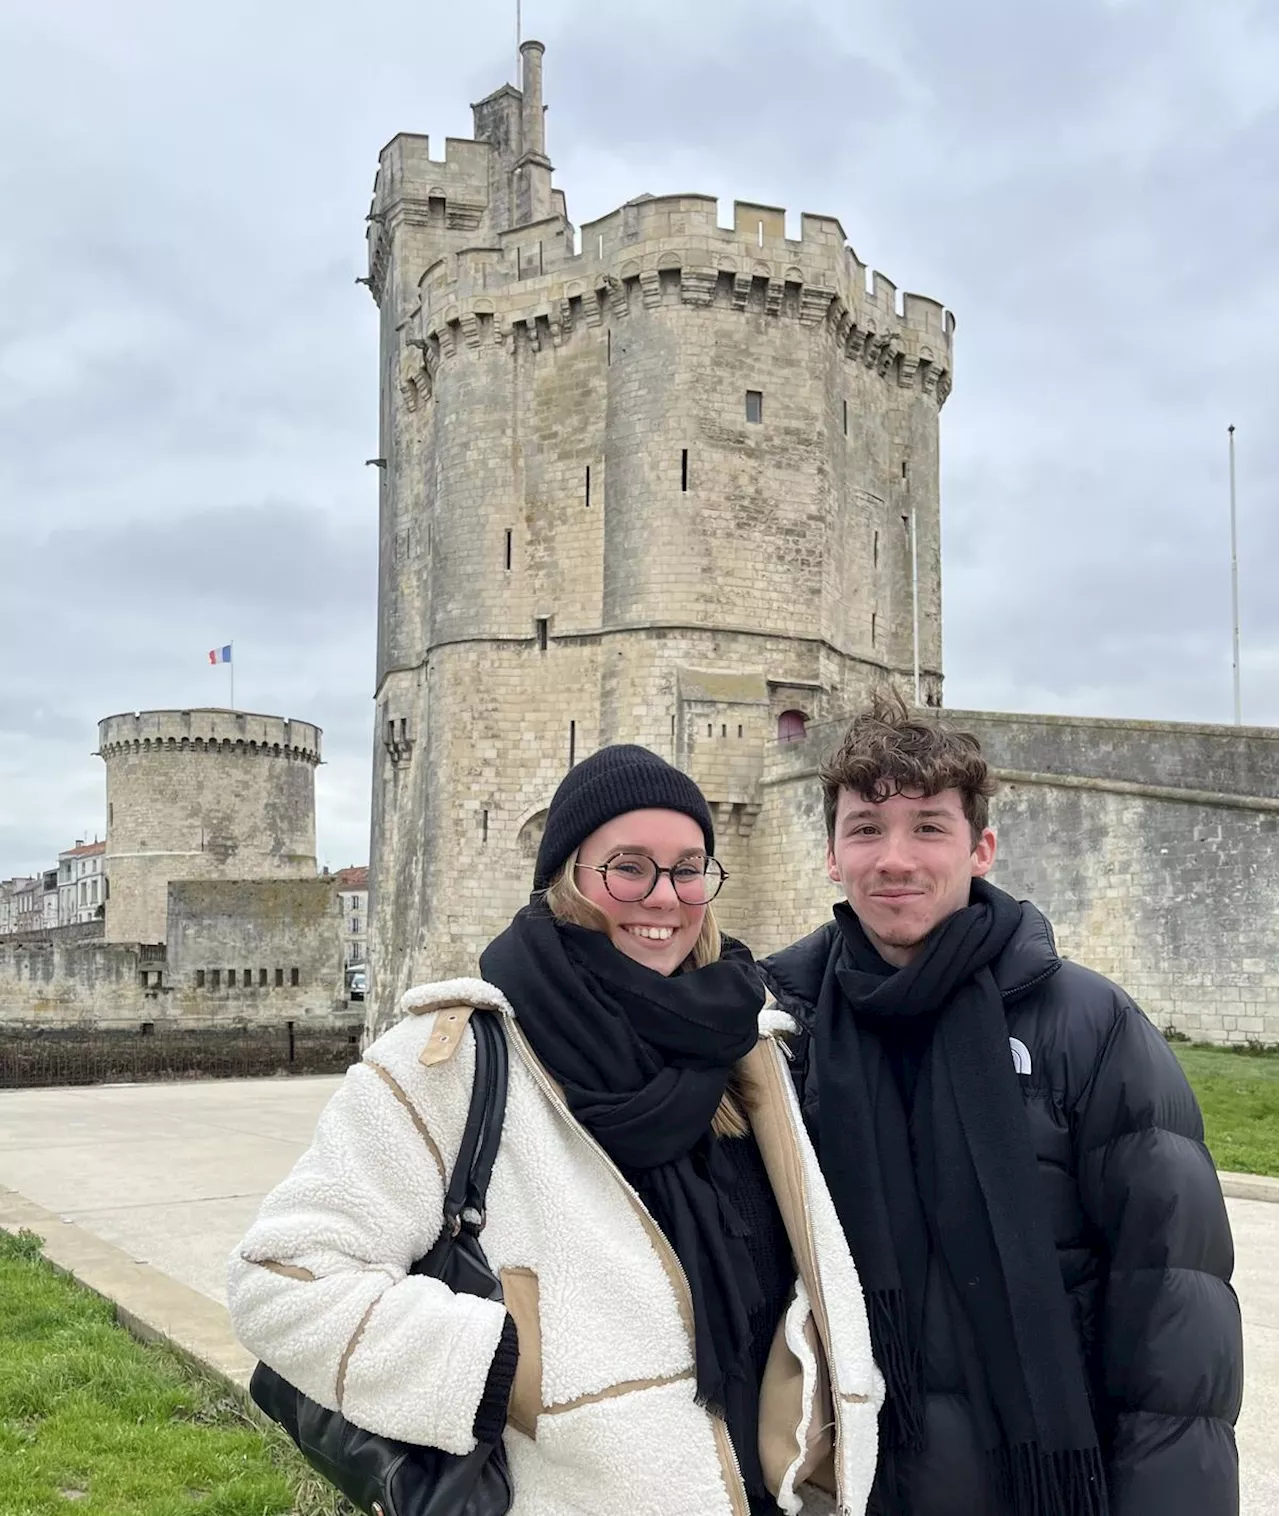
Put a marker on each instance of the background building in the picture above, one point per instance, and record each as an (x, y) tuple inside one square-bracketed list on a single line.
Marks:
[(666, 481), (353, 901), (82, 883), (16, 904)]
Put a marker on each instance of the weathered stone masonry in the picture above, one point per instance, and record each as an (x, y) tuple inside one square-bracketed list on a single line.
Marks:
[(657, 489), (654, 480)]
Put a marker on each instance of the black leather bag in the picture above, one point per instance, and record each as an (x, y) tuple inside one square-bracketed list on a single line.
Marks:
[(379, 1475)]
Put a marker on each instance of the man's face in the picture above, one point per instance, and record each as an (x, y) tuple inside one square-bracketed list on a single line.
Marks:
[(905, 864)]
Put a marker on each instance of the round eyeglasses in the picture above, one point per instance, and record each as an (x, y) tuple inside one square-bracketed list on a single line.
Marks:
[(632, 877)]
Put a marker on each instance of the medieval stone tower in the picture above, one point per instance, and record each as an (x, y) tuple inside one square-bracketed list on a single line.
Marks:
[(652, 481), (202, 794)]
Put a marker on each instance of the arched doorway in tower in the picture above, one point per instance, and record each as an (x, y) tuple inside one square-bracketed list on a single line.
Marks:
[(792, 726)]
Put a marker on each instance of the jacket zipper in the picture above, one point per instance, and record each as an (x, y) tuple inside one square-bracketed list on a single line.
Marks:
[(724, 1443), (778, 1073)]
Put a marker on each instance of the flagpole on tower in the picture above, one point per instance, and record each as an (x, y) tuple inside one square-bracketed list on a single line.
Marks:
[(231, 669), (518, 39)]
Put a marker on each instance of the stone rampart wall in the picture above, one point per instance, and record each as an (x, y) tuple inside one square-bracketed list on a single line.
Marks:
[(1150, 846)]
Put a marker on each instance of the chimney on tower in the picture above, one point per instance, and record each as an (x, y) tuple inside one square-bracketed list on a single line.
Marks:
[(533, 132), (532, 178)]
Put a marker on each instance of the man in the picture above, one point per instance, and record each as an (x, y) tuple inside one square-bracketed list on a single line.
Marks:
[(1019, 1167)]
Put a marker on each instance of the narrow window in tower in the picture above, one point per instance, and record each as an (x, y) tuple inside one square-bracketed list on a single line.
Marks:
[(540, 257), (293, 976), (875, 550), (519, 275), (739, 730), (710, 730), (111, 813), (199, 979), (215, 979), (684, 470), (573, 743), (873, 629), (540, 631), (279, 979), (755, 405), (904, 468), (586, 488), (262, 979), (608, 347), (508, 562), (484, 826), (231, 979), (600, 246), (724, 728), (845, 404), (759, 233)]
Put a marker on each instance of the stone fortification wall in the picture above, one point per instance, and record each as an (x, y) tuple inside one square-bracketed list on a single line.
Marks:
[(202, 794), (1151, 846), (240, 952), (236, 944), (67, 978)]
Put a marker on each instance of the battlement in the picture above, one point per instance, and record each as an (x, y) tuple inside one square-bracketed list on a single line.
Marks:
[(209, 730), (408, 172), (530, 283)]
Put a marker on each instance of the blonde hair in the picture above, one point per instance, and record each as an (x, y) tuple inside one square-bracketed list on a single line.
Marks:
[(567, 903)]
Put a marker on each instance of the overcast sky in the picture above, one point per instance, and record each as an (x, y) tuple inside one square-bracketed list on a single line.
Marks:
[(188, 370)]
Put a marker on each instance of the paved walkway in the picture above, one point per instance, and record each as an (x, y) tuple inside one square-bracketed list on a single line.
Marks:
[(142, 1191)]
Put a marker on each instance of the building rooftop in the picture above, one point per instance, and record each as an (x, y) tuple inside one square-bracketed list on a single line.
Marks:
[(83, 850), (355, 878)]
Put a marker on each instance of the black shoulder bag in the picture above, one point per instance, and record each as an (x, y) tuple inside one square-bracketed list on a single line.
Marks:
[(379, 1475)]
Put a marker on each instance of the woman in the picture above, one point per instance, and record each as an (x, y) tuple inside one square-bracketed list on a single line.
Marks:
[(682, 1330)]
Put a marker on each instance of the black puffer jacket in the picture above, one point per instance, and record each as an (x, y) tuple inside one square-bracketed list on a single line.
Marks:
[(1141, 1229)]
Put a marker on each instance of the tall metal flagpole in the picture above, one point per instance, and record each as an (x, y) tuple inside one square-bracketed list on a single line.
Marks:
[(1235, 581), (231, 669), (518, 40), (1235, 578)]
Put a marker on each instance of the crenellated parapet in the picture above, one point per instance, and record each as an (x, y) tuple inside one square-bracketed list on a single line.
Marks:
[(531, 285), (209, 731), (412, 189)]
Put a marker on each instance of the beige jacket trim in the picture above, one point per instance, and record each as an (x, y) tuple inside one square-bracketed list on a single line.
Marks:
[(627, 1387), (393, 1085)]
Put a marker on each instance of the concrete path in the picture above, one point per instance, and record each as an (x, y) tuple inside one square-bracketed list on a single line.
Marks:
[(141, 1191), (171, 1174)]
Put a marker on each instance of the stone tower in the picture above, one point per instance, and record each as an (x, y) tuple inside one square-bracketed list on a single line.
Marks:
[(202, 794), (652, 482)]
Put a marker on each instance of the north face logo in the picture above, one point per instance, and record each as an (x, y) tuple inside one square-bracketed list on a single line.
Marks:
[(1021, 1056)]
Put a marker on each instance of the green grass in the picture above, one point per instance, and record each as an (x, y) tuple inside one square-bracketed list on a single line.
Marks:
[(1237, 1092), (96, 1423)]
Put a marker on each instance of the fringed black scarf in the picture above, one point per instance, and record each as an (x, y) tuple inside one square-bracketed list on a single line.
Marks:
[(644, 1060), (956, 1172)]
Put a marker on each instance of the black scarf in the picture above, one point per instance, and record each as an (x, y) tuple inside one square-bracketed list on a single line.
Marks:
[(956, 1172), (644, 1061)]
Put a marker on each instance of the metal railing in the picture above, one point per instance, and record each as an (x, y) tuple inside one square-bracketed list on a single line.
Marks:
[(106, 1054)]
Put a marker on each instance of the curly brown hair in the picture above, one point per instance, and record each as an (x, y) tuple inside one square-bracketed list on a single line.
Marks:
[(886, 751)]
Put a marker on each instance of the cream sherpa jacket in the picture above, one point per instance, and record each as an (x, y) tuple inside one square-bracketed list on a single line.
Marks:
[(603, 1419)]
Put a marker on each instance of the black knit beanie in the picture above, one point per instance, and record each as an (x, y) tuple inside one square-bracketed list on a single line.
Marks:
[(608, 784)]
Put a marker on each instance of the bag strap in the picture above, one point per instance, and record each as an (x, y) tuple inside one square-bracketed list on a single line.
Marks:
[(464, 1201)]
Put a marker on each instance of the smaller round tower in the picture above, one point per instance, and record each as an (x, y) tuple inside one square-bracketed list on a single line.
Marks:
[(202, 794)]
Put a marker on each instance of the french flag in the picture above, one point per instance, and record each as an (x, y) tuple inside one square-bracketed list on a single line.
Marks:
[(220, 654)]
